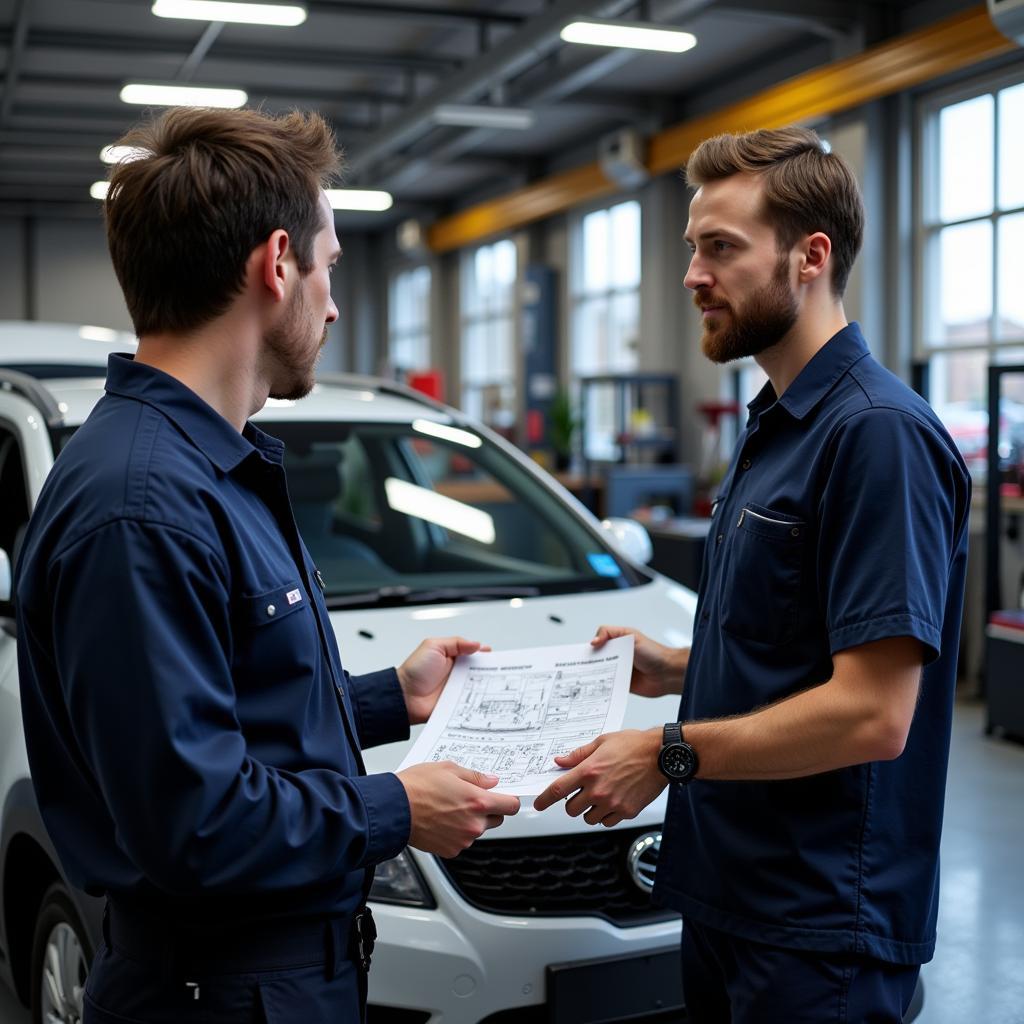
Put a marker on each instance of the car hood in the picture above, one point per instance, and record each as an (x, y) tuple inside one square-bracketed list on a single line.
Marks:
[(374, 638)]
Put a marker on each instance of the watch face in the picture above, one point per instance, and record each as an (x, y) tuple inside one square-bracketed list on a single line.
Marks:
[(678, 760)]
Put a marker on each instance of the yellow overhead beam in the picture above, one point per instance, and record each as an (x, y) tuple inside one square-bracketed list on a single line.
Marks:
[(950, 45)]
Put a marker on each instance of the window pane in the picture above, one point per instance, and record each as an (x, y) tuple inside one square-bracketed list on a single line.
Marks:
[(624, 335), (595, 251), (590, 337), (504, 271), (1011, 147), (966, 145), (965, 301), (959, 390), (1011, 261), (625, 253)]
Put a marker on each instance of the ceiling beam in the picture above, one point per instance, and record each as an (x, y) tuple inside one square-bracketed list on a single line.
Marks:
[(553, 86), (113, 48), (524, 48), (410, 12), (15, 55), (953, 44)]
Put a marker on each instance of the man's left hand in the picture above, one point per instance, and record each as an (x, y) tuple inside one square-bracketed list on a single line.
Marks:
[(613, 777), (423, 674)]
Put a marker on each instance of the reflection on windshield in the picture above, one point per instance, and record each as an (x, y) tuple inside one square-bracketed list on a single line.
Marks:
[(420, 513)]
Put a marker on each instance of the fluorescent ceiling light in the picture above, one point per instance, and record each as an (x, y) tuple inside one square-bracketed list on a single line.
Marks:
[(217, 10), (91, 333), (98, 189), (423, 503), (445, 433), (631, 35), (464, 115), (358, 199), (117, 154), (182, 96)]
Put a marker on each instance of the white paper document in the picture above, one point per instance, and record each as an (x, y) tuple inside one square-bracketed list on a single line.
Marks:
[(508, 713)]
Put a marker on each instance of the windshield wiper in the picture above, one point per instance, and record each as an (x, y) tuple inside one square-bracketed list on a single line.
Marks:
[(396, 596)]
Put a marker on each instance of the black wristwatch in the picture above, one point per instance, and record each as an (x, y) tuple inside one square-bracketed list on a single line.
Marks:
[(677, 759)]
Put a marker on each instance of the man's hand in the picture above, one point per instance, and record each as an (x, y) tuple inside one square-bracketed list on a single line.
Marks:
[(423, 674), (657, 670), (451, 806), (614, 777)]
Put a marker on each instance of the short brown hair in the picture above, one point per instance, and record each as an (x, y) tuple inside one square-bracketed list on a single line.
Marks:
[(806, 187), (183, 220)]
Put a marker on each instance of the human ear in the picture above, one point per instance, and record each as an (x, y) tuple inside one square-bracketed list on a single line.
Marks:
[(814, 259), (274, 267)]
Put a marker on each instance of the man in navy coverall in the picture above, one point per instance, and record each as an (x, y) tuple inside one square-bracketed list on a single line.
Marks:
[(808, 763), (194, 740)]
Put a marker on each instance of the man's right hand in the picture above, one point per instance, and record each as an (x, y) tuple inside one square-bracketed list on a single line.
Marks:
[(451, 806), (657, 670)]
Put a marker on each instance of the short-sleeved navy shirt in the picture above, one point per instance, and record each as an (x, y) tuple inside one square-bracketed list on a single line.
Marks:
[(842, 520), (193, 738)]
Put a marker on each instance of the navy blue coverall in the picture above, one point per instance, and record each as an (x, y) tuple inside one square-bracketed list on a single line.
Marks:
[(193, 738), (842, 520)]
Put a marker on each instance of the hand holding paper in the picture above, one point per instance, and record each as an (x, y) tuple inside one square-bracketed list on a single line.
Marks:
[(510, 713)]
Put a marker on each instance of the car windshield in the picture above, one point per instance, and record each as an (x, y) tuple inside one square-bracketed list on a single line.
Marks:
[(395, 515)]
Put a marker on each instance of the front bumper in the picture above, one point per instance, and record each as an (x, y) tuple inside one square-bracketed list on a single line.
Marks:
[(461, 965)]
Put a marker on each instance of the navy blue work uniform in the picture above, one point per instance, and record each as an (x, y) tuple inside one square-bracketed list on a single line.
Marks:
[(193, 738), (842, 520)]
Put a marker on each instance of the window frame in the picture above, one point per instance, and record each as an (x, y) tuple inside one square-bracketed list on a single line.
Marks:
[(489, 316), (577, 296), (424, 330), (928, 223)]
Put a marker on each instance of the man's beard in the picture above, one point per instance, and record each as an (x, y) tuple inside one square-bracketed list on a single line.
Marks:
[(763, 320), (288, 348)]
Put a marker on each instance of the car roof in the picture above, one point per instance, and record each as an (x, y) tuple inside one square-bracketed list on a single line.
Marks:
[(30, 342)]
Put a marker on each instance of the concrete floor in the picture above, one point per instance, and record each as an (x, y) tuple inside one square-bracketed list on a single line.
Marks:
[(978, 971)]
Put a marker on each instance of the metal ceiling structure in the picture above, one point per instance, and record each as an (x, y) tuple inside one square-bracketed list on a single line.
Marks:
[(379, 70)]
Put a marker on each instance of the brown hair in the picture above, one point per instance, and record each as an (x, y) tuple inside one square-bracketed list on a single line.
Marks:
[(183, 220), (806, 188)]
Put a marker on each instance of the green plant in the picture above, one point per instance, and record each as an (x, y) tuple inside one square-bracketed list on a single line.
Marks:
[(562, 424)]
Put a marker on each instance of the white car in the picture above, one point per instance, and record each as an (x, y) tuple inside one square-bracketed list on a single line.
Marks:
[(545, 916)]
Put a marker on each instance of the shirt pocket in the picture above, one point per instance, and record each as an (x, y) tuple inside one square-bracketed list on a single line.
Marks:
[(760, 595), (275, 638)]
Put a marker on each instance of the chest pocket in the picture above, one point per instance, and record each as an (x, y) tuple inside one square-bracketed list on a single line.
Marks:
[(275, 637), (760, 594)]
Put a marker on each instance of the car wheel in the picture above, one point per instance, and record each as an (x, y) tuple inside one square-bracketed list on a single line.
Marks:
[(60, 960)]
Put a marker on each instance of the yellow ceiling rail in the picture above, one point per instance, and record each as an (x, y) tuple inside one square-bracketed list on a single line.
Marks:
[(950, 45)]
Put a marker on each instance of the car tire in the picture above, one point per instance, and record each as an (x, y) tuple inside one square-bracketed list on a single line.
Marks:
[(61, 955)]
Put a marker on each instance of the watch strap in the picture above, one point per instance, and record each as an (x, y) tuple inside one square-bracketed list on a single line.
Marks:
[(672, 733)]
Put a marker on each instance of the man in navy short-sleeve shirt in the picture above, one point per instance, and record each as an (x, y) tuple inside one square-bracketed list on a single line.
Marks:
[(808, 765), (193, 738)]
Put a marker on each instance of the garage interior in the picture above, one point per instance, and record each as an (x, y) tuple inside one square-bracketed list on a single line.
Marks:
[(512, 215)]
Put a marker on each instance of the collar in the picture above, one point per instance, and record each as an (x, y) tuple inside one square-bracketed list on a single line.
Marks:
[(821, 374), (208, 431)]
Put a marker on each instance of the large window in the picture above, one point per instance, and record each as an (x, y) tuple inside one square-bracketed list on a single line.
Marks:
[(606, 291), (971, 223), (409, 320), (488, 345)]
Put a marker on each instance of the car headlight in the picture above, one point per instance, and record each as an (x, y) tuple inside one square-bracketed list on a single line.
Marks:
[(398, 881)]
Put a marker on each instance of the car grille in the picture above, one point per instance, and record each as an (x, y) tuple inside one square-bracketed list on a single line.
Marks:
[(583, 873)]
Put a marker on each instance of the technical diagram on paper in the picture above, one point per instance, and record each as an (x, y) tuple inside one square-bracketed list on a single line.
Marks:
[(509, 713)]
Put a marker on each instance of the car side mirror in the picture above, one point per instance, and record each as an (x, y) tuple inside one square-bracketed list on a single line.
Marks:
[(629, 538), (5, 577)]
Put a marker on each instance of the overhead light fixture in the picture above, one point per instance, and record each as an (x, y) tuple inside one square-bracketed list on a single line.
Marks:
[(119, 154), (467, 115), (98, 189), (359, 199), (630, 35), (287, 15), (152, 95)]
